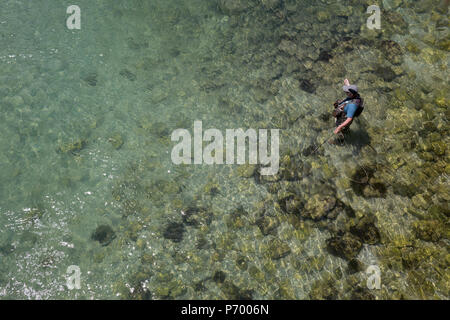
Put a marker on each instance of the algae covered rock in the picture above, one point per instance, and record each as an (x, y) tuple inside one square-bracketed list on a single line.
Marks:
[(394, 23), (196, 216), (362, 294), (365, 184), (127, 74), (366, 230), (318, 206), (354, 266), (103, 234), (278, 249), (91, 79), (267, 224), (72, 147), (246, 170), (346, 246), (116, 141), (291, 204), (233, 7), (324, 290), (174, 231), (271, 4), (392, 51), (219, 276), (429, 230), (159, 129), (233, 292)]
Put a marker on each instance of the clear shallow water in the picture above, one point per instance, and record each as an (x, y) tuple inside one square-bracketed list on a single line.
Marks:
[(135, 72)]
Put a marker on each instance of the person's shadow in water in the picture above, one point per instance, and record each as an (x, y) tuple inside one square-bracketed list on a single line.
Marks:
[(358, 138)]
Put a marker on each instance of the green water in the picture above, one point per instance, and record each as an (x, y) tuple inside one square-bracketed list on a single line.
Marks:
[(85, 141)]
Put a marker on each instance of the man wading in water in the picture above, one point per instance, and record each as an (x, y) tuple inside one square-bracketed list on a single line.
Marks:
[(345, 110)]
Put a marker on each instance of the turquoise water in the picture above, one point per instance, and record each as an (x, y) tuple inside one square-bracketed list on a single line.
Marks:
[(85, 142)]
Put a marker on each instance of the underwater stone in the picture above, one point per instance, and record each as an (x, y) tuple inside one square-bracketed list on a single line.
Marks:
[(72, 147), (195, 216), (232, 7), (278, 249), (354, 266), (405, 190), (6, 248), (174, 231), (394, 23), (256, 274), (241, 262), (309, 150), (127, 74), (135, 45), (318, 206), (219, 276), (366, 230), (160, 129), (323, 290), (324, 56), (288, 47), (364, 184), (91, 79), (346, 247), (116, 140), (362, 294), (103, 234), (439, 147), (16, 101), (271, 4), (429, 230), (291, 204), (323, 16), (246, 170), (267, 224), (232, 292), (307, 86), (392, 51), (386, 73)]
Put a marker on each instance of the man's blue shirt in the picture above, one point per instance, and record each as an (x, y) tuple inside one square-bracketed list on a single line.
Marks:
[(350, 109)]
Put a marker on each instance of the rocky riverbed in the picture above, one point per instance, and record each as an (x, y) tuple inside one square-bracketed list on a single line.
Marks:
[(144, 228)]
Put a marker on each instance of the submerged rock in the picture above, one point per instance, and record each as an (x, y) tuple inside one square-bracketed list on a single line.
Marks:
[(159, 129), (233, 292), (307, 86), (386, 73), (392, 51), (174, 231), (267, 224), (195, 216), (366, 230), (136, 45), (318, 206), (291, 204), (128, 74), (364, 184), (103, 234), (278, 249), (116, 141), (91, 79), (219, 276), (324, 290), (354, 266), (429, 230), (362, 294), (72, 147), (233, 7), (271, 4), (346, 247)]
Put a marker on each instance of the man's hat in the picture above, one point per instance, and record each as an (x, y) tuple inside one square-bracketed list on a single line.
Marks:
[(352, 87)]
